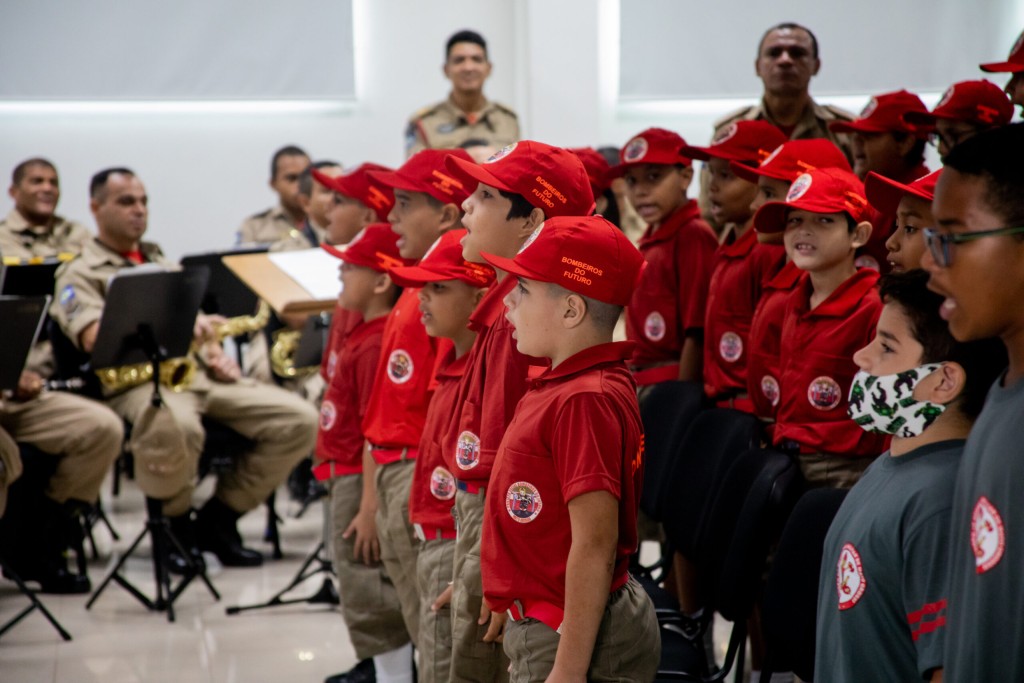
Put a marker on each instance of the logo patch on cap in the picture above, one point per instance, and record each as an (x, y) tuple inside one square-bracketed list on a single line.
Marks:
[(431, 249), (988, 537), (654, 326), (730, 347), (328, 415), (501, 153), (946, 97), (824, 393), (869, 109), (399, 366), (635, 150), (850, 580), (775, 152), (467, 450), (799, 187), (442, 484), (770, 389), (725, 134), (523, 502), (531, 239)]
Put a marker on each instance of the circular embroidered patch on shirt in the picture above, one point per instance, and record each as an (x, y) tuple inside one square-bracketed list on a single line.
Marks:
[(850, 580), (770, 389), (654, 326), (988, 537), (824, 393), (328, 415), (799, 187), (467, 450), (531, 239), (523, 502), (399, 366), (332, 364), (867, 261), (442, 484), (501, 153), (730, 347), (635, 150)]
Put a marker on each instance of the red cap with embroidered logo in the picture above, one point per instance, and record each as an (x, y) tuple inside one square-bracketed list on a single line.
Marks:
[(652, 146), (884, 114), (885, 194), (1013, 64), (551, 178), (375, 246), (585, 254), (357, 184), (823, 190), (425, 172), (981, 102), (443, 261), (750, 141), (793, 158), (598, 169)]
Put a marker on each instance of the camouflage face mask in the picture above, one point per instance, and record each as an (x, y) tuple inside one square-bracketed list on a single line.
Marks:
[(886, 404)]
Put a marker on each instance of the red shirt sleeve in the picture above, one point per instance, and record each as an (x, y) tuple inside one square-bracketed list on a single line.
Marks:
[(587, 446)]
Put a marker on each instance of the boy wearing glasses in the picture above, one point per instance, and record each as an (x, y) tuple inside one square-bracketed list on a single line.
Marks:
[(976, 261)]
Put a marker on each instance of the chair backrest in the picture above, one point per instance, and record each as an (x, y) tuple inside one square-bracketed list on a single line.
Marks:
[(71, 363), (715, 438), (666, 410), (791, 597)]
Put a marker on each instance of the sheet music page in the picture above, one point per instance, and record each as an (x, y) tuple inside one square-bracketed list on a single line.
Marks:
[(314, 270)]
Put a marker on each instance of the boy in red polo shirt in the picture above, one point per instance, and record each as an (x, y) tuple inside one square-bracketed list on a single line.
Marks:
[(516, 190), (830, 314), (427, 202), (450, 288), (773, 178), (561, 520), (742, 266), (966, 109), (666, 315), (912, 206), (369, 602)]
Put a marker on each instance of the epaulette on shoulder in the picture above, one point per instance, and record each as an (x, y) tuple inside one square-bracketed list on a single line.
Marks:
[(505, 109), (839, 113), (425, 112), (261, 214), (733, 116)]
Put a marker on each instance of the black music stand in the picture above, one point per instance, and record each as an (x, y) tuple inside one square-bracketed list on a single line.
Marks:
[(35, 279), (149, 316), (22, 317), (225, 293)]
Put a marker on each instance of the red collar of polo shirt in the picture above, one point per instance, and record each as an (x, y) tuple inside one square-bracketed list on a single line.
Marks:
[(588, 358), (492, 305), (841, 302), (786, 278), (453, 368), (743, 245), (673, 224)]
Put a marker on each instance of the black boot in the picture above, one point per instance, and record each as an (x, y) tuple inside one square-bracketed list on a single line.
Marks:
[(363, 672), (42, 555), (217, 532), (183, 528)]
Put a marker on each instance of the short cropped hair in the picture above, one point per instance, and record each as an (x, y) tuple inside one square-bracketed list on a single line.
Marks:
[(98, 183), (521, 207), (464, 36), (994, 156), (604, 315), (21, 170), (286, 151), (792, 26), (983, 360), (306, 177)]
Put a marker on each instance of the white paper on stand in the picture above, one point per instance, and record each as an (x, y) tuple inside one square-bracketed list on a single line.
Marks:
[(314, 270)]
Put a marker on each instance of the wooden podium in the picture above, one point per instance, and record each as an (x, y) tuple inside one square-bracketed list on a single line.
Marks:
[(275, 286)]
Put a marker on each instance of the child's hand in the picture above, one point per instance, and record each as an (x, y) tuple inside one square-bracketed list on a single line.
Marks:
[(496, 629), (367, 547), (445, 598), (558, 677)]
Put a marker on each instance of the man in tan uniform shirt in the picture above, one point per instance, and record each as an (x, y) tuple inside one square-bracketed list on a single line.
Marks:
[(83, 435), (166, 442), (275, 223), (466, 114)]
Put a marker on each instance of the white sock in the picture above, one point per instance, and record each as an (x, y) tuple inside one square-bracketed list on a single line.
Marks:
[(394, 666)]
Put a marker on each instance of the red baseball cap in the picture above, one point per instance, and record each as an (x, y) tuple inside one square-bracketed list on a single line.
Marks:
[(425, 172), (823, 190), (357, 184), (598, 169), (551, 178), (793, 158), (1013, 64), (740, 141), (443, 261), (375, 246), (585, 254), (885, 194), (980, 102), (652, 146), (884, 114)]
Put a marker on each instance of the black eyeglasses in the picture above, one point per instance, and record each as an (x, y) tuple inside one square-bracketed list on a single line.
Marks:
[(940, 244)]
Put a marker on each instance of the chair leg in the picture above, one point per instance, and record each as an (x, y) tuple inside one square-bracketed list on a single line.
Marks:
[(34, 603), (272, 534)]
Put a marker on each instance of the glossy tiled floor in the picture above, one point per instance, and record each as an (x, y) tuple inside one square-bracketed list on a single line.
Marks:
[(119, 641)]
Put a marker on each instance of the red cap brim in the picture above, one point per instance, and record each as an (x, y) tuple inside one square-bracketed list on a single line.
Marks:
[(1002, 67), (885, 194), (752, 173), (771, 217), (415, 276), (473, 172), (922, 119), (394, 181), (511, 267), (354, 259)]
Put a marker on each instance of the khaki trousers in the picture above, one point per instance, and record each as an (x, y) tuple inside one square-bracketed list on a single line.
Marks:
[(167, 443), (398, 543), (433, 572), (822, 470), (10, 466), (84, 434), (369, 602)]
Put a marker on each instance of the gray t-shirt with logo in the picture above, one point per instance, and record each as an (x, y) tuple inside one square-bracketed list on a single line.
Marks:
[(882, 587)]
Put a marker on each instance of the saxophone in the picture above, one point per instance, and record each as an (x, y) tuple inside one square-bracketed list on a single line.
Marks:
[(282, 355), (177, 373)]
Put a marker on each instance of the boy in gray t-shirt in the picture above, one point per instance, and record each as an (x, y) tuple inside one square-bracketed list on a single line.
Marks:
[(882, 587)]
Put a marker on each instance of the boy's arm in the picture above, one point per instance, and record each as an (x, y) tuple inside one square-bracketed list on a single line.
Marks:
[(588, 576), (364, 524), (690, 359)]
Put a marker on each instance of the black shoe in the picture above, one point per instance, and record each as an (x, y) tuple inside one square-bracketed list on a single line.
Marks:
[(363, 672), (183, 528), (53, 579), (217, 533)]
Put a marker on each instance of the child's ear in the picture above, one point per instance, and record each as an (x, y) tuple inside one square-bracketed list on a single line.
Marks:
[(861, 234), (685, 178), (369, 216), (382, 283), (451, 217), (479, 295), (535, 218), (575, 311), (942, 386)]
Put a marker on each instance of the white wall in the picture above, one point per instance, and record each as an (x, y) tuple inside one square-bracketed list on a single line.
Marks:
[(555, 62)]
